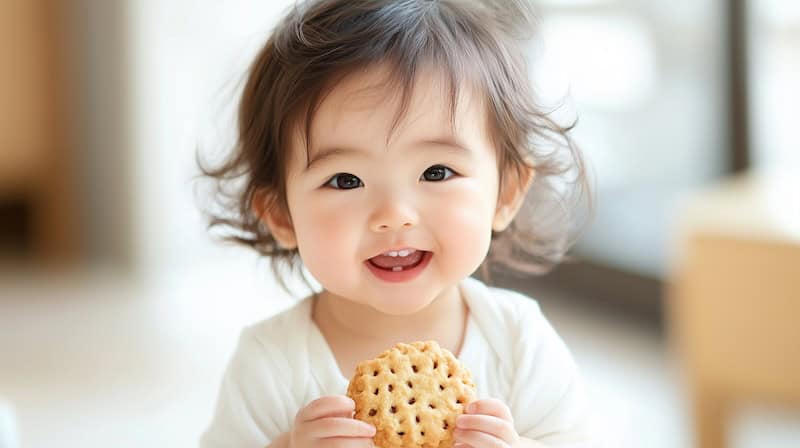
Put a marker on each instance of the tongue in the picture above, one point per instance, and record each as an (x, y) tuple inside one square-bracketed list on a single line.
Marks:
[(387, 262)]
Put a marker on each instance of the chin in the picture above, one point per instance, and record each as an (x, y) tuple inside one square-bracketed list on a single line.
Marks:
[(400, 306)]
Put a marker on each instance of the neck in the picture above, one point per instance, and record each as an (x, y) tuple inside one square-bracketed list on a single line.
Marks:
[(358, 320)]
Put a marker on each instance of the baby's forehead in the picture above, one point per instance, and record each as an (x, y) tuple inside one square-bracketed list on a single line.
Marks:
[(369, 105)]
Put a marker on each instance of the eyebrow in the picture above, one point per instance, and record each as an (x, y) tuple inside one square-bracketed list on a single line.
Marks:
[(453, 145)]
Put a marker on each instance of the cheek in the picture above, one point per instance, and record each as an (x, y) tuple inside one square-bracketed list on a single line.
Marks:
[(321, 222), (463, 220), (327, 234)]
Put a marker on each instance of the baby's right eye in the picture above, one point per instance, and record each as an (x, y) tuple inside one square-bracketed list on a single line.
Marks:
[(344, 181)]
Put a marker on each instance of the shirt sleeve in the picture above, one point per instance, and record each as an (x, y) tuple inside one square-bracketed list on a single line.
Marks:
[(255, 374), (547, 399)]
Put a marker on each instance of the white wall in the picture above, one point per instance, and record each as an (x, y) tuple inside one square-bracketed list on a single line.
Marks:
[(647, 81), (186, 60)]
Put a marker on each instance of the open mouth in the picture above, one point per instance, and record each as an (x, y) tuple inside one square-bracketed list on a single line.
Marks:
[(398, 261), (400, 266)]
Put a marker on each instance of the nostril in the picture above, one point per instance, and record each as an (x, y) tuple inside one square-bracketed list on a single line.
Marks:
[(385, 227), (395, 219)]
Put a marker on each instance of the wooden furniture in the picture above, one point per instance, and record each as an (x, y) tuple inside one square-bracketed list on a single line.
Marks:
[(734, 298), (37, 158)]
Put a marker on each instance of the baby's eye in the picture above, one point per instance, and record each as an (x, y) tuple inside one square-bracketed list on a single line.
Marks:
[(344, 181), (437, 173)]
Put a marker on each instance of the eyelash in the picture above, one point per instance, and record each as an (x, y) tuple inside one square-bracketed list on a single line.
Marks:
[(332, 183)]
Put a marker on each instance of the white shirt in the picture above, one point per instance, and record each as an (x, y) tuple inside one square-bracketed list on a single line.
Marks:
[(283, 363)]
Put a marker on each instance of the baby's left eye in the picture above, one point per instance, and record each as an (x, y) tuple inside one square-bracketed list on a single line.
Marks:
[(437, 173)]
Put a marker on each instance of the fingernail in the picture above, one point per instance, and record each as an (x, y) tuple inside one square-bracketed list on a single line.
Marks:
[(471, 407)]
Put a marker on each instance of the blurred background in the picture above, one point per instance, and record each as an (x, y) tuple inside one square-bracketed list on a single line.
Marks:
[(118, 311)]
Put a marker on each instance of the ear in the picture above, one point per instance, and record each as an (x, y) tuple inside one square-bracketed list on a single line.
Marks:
[(278, 221), (512, 195)]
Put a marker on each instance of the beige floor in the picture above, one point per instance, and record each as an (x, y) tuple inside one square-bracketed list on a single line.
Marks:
[(96, 359)]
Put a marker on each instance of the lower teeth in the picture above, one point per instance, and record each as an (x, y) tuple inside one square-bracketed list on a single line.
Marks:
[(397, 268)]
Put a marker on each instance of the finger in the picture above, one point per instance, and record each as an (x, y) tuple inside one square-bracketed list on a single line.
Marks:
[(490, 406), (328, 406), (478, 439), (489, 424), (338, 427), (345, 442)]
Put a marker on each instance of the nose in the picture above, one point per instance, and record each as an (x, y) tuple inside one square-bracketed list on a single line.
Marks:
[(392, 214)]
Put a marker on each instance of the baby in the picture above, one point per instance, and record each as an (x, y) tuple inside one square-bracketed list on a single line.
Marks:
[(387, 146)]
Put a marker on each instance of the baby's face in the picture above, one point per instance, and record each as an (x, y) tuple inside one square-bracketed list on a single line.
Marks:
[(428, 190)]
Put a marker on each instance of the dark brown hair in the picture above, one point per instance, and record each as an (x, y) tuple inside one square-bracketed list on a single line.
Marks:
[(481, 43)]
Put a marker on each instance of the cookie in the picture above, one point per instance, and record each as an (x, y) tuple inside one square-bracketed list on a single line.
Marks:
[(412, 394)]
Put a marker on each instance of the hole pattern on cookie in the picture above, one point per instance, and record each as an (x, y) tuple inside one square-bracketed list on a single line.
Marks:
[(420, 414)]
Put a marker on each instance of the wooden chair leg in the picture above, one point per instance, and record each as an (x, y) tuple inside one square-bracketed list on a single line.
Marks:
[(710, 414)]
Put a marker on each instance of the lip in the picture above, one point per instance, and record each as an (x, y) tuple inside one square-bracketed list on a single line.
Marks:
[(401, 276)]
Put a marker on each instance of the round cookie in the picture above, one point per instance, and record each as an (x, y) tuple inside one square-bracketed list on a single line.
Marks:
[(412, 394)]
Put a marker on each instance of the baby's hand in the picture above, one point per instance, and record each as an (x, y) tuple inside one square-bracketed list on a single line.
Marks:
[(486, 424), (328, 422)]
